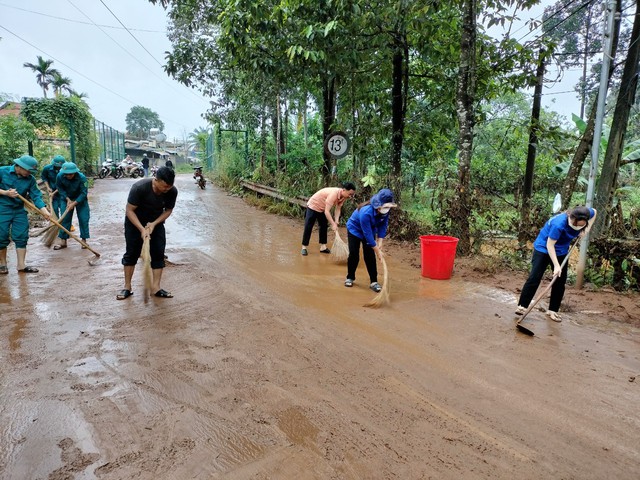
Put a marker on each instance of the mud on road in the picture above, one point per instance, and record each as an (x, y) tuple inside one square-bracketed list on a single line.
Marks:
[(264, 366)]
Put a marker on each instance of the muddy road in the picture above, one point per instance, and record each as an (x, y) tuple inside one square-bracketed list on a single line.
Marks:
[(264, 366)]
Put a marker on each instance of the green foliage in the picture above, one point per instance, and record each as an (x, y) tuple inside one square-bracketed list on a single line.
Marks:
[(140, 120), (15, 132), (66, 112)]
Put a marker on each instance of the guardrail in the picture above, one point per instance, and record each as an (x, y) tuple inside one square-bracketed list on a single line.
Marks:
[(272, 192)]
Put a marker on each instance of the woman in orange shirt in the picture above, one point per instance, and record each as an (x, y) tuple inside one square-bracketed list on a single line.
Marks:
[(319, 208)]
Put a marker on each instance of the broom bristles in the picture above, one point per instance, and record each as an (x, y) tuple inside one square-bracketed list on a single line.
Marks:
[(146, 268), (382, 298), (51, 233), (339, 249)]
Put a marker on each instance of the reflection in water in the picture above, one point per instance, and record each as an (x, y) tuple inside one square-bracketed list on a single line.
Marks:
[(17, 333)]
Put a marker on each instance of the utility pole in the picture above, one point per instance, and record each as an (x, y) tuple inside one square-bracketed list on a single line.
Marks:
[(597, 133)]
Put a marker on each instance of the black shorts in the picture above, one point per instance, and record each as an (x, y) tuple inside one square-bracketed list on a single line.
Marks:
[(134, 241)]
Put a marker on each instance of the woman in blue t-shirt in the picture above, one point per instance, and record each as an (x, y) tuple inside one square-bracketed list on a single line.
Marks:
[(367, 227), (550, 248)]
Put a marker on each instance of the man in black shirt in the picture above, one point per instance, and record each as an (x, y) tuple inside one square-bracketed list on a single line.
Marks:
[(150, 203)]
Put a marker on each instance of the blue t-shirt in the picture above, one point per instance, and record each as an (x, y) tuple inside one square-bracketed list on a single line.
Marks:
[(367, 224), (557, 228)]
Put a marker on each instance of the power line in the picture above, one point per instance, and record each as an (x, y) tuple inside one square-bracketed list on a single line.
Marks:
[(140, 43), (79, 21), (80, 73), (132, 35), (163, 80)]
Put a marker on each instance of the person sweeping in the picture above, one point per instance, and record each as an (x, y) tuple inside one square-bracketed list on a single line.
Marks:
[(150, 203), (319, 208), (72, 187), (49, 176), (550, 248), (367, 226), (17, 180)]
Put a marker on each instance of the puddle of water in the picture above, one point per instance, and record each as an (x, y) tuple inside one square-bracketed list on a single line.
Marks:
[(17, 333)]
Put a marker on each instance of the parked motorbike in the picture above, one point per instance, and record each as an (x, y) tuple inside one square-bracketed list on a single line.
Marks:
[(109, 169), (199, 177), (133, 169), (154, 170)]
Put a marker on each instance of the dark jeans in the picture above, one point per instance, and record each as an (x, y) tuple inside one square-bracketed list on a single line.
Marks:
[(134, 241), (354, 258), (539, 263), (310, 218)]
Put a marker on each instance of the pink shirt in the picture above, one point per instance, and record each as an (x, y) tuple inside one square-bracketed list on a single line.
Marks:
[(326, 197)]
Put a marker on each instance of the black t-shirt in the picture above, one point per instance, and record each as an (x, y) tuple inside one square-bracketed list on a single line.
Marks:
[(149, 205), (145, 162)]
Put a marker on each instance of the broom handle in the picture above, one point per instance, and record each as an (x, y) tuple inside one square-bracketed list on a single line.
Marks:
[(548, 287), (55, 222), (40, 232)]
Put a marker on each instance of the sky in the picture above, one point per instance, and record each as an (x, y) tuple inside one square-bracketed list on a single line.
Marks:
[(118, 69)]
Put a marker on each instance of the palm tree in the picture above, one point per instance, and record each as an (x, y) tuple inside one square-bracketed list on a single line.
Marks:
[(81, 95), (60, 83), (44, 73)]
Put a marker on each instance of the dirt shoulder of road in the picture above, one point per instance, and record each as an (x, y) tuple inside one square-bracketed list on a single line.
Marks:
[(599, 304)]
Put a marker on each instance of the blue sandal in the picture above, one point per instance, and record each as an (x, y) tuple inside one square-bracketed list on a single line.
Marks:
[(163, 294)]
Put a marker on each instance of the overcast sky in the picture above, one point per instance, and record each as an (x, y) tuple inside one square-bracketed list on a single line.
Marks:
[(120, 69), (112, 68)]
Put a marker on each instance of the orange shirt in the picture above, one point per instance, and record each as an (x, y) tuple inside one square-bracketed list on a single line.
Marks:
[(328, 196)]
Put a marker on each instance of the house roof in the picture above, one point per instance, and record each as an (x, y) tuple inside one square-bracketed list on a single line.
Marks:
[(10, 108)]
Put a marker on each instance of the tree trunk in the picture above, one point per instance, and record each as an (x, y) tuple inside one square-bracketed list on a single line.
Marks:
[(584, 147), (263, 138), (328, 117), (278, 132), (527, 190), (626, 98), (460, 209), (579, 157), (399, 87)]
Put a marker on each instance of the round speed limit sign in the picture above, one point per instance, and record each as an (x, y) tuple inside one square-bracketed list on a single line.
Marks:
[(337, 144)]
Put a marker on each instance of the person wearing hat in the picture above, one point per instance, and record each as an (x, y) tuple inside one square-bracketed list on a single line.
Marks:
[(367, 227), (319, 208), (550, 248), (18, 179), (72, 189), (48, 175)]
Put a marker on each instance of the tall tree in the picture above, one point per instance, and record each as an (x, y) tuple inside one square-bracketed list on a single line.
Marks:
[(465, 107), (60, 84), (140, 120), (44, 73), (607, 182)]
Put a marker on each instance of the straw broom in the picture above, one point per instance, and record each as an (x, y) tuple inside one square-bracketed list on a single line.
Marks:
[(382, 298), (30, 206), (146, 267), (52, 231), (339, 249)]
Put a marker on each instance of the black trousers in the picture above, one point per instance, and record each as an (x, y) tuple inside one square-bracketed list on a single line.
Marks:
[(539, 263), (354, 258), (157, 245), (310, 218)]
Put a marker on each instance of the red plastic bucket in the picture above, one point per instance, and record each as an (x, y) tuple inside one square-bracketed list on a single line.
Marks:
[(438, 253)]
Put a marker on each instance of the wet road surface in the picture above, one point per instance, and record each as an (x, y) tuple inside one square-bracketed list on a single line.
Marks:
[(265, 366)]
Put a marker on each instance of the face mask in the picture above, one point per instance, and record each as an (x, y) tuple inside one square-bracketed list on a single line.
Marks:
[(575, 227), (384, 211)]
